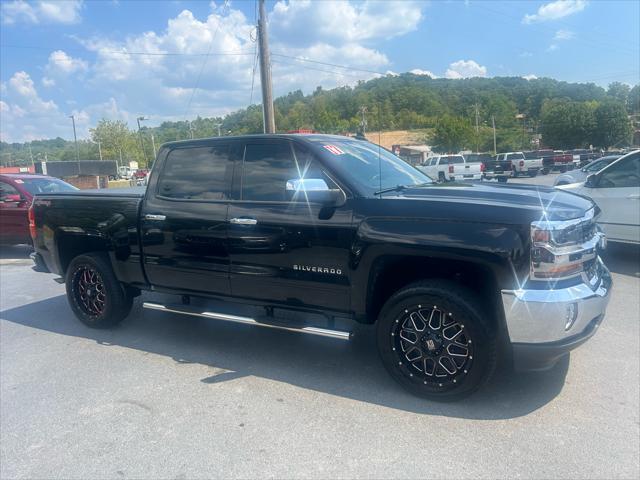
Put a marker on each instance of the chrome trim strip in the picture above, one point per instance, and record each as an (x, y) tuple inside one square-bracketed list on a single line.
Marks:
[(322, 332)]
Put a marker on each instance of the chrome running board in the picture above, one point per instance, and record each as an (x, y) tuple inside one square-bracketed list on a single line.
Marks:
[(322, 332)]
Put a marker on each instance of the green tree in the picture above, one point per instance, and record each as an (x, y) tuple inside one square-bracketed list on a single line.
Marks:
[(452, 134), (118, 142), (613, 127), (619, 91), (633, 101), (567, 124)]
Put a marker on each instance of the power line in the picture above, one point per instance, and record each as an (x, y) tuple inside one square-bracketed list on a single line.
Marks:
[(346, 67), (120, 52), (204, 62)]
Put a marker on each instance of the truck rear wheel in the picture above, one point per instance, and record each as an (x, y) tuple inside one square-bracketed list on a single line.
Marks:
[(434, 339), (96, 296)]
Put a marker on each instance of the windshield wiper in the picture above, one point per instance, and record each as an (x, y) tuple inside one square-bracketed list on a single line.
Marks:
[(397, 188), (400, 188)]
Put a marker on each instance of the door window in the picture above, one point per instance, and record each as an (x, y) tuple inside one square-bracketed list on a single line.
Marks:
[(6, 190), (268, 166), (623, 174), (197, 173)]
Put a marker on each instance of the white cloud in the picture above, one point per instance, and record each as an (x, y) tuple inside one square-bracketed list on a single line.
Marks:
[(465, 69), (564, 35), (60, 62), (124, 86), (525, 54), (552, 47), (309, 21), (418, 71), (531, 76), (555, 10), (64, 12)]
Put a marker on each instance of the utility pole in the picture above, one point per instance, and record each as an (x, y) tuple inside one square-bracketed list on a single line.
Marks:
[(144, 156), (493, 122), (363, 122), (477, 129), (100, 150), (191, 129), (265, 73), (218, 125), (31, 155), (153, 145), (75, 138)]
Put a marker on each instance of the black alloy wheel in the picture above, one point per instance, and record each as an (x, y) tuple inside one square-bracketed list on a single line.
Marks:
[(436, 339), (432, 345)]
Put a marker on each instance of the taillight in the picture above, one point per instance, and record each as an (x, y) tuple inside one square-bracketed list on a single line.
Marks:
[(32, 223), (450, 168), (522, 163), (482, 167)]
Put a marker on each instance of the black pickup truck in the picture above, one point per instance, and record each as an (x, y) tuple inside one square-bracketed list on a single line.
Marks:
[(453, 276)]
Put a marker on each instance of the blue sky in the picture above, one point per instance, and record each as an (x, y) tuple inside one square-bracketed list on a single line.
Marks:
[(123, 59)]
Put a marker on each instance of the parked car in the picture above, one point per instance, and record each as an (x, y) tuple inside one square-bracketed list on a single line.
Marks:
[(442, 168), (521, 165), (449, 273), (562, 161), (16, 194), (498, 168), (616, 190), (582, 156), (577, 176), (547, 157)]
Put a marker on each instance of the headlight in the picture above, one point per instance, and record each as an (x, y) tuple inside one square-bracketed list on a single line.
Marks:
[(563, 249)]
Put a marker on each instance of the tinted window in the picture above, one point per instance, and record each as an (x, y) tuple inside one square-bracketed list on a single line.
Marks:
[(268, 167), (625, 173), (515, 156), (6, 189), (200, 173)]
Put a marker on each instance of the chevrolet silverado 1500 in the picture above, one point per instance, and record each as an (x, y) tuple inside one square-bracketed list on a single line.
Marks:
[(454, 277)]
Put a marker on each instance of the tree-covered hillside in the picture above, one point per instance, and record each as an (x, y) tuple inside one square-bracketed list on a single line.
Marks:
[(567, 115)]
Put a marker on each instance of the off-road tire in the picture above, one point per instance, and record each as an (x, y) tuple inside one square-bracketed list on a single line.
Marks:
[(114, 300), (460, 305)]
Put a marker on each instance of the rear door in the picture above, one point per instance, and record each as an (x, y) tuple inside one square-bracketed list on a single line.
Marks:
[(184, 218), (286, 250), (618, 195)]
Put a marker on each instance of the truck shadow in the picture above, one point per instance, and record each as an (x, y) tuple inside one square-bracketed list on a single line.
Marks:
[(346, 369), (623, 258)]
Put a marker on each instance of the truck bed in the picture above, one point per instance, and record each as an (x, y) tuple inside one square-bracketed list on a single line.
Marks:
[(72, 223)]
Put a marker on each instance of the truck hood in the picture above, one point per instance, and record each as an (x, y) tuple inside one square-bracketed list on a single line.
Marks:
[(539, 201)]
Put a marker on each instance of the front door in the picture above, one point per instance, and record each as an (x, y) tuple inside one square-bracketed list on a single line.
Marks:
[(286, 249), (184, 219), (618, 195), (14, 224)]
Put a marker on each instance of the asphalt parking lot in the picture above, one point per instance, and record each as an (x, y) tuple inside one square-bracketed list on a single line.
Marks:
[(165, 396)]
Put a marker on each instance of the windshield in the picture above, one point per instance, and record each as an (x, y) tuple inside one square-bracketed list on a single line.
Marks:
[(46, 185), (454, 159), (371, 168)]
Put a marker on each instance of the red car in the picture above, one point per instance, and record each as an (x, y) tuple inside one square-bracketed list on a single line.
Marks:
[(16, 193)]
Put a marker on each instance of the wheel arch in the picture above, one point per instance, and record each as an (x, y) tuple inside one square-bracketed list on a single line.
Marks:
[(390, 273)]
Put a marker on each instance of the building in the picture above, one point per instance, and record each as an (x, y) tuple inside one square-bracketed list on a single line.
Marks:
[(412, 154)]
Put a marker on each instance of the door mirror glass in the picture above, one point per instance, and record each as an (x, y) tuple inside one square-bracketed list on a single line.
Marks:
[(314, 190)]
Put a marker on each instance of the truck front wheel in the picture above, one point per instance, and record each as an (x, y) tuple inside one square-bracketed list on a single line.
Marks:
[(96, 296), (434, 339)]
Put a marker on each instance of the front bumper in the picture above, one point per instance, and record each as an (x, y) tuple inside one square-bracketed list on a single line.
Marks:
[(544, 325)]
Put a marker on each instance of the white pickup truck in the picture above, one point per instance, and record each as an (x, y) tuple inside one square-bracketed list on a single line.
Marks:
[(522, 164), (443, 168)]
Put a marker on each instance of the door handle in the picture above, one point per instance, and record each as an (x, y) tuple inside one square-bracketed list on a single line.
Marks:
[(158, 218), (243, 221)]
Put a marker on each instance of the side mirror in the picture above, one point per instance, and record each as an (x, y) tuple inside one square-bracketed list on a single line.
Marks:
[(592, 181), (314, 190)]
